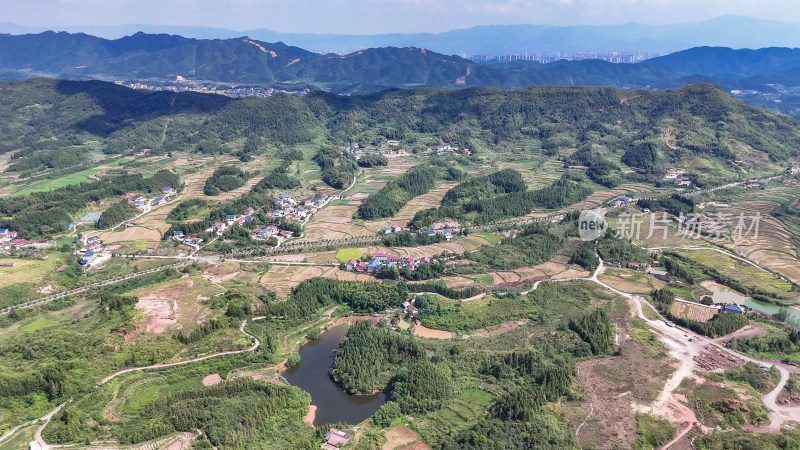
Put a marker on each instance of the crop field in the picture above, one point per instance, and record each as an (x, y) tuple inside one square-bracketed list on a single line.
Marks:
[(775, 246), (282, 279), (601, 196), (747, 274), (550, 270), (347, 254), (432, 199), (628, 280), (696, 312), (334, 222), (490, 237)]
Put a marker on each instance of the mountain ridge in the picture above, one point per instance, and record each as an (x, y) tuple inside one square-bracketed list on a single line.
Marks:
[(728, 31)]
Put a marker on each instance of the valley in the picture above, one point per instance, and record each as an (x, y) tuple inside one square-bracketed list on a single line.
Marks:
[(433, 237)]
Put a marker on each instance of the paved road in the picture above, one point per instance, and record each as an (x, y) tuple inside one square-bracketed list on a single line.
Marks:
[(89, 287)]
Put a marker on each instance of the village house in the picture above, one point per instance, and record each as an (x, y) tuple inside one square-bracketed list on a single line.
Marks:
[(337, 438), (374, 266), (158, 201), (673, 173), (178, 236), (683, 181), (88, 258), (636, 265), (659, 274), (130, 223), (350, 265), (230, 219), (732, 308), (392, 143), (219, 227), (169, 192)]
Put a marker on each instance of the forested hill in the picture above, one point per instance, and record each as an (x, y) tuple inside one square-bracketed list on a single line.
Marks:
[(41, 116), (236, 61)]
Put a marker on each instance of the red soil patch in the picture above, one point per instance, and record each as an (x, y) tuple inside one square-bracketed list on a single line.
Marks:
[(212, 380)]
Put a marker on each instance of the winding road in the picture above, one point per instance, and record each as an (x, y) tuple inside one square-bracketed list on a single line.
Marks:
[(46, 418)]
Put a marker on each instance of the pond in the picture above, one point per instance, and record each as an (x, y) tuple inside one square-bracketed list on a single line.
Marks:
[(769, 308), (723, 294), (311, 375)]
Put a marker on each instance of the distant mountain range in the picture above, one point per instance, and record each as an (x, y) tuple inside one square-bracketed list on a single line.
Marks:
[(725, 31), (243, 61)]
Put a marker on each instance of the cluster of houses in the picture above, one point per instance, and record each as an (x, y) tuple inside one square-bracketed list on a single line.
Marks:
[(393, 229), (270, 232), (288, 208), (449, 149), (392, 153), (142, 202), (181, 237), (231, 220), (9, 240), (793, 169), (91, 253), (381, 261), (674, 173)]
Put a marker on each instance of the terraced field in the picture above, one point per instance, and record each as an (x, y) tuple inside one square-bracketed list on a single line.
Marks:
[(282, 279), (430, 200), (749, 275), (775, 246)]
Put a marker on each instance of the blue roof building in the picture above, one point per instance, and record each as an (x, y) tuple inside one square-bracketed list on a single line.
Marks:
[(177, 233), (430, 232), (88, 254), (732, 308), (624, 198), (83, 262), (69, 227), (373, 265)]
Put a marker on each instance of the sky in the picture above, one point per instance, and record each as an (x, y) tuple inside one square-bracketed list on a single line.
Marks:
[(381, 16)]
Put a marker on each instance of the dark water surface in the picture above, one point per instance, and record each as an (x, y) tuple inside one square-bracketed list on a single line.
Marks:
[(311, 375)]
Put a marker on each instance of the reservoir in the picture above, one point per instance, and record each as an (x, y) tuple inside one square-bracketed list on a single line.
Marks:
[(769, 308), (723, 294), (311, 375)]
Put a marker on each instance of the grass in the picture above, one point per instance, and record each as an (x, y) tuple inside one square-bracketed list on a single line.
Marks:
[(347, 254), (492, 238), (38, 324), (652, 432), (75, 178), (21, 440), (484, 279), (457, 415)]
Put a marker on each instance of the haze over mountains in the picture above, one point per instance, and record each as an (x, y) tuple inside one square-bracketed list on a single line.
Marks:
[(725, 31), (246, 61)]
